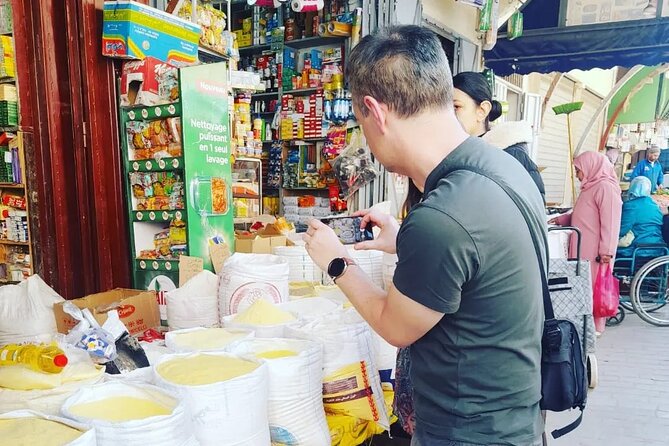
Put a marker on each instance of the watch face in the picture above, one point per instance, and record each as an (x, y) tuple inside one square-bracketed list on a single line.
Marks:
[(336, 268)]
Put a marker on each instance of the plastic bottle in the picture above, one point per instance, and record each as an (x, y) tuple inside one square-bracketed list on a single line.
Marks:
[(41, 358)]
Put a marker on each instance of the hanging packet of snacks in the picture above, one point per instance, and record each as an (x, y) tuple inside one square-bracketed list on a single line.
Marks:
[(354, 167), (515, 26)]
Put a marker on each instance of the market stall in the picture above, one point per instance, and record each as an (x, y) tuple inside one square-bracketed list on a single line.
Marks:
[(233, 131)]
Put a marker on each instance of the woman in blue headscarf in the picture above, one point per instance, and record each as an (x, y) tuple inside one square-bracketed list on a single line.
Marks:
[(642, 216)]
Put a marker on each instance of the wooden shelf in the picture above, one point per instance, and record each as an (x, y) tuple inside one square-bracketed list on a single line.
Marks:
[(265, 95), (12, 186), (311, 42), (302, 91), (306, 188), (13, 243), (255, 48), (246, 196)]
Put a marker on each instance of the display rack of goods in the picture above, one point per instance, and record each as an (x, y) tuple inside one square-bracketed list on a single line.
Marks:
[(15, 242), (178, 174)]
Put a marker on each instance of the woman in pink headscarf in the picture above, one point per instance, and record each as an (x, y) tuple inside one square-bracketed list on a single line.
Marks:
[(596, 213)]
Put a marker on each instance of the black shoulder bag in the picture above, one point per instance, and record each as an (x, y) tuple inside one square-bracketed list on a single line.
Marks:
[(564, 381)]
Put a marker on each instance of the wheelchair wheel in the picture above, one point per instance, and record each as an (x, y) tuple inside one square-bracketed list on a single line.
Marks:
[(626, 305), (650, 292), (618, 318), (593, 371)]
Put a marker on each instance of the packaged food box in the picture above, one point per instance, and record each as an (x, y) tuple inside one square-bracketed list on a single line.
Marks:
[(261, 242), (137, 309), (149, 82), (132, 30)]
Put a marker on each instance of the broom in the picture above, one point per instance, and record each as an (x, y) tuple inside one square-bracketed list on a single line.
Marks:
[(568, 109)]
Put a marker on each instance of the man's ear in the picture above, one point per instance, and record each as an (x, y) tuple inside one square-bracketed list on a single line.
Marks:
[(378, 112)]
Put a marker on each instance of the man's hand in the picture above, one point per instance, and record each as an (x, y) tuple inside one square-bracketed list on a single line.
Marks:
[(322, 244), (387, 238)]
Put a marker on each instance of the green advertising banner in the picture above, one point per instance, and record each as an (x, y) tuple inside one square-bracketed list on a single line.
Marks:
[(206, 145)]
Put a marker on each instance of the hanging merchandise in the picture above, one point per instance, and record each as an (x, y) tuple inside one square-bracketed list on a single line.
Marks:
[(296, 415), (26, 427), (131, 415), (475, 3), (354, 167), (515, 26), (485, 17), (307, 5), (490, 38), (225, 396)]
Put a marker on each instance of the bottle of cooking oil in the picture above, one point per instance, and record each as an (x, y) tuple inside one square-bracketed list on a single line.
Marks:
[(40, 357)]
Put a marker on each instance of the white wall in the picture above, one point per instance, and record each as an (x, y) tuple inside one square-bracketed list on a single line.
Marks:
[(461, 20)]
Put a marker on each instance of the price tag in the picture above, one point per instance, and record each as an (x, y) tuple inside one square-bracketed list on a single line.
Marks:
[(219, 254), (8, 157), (189, 267)]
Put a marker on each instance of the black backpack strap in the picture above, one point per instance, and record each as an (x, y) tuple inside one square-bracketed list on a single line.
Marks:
[(557, 433)]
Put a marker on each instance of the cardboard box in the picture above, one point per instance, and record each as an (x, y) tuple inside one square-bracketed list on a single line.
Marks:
[(262, 242), (137, 309), (149, 82), (132, 30)]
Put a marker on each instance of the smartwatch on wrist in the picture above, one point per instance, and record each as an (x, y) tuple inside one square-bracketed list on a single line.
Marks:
[(338, 267)]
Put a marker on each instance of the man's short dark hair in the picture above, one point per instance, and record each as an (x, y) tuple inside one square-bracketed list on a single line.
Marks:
[(404, 67)]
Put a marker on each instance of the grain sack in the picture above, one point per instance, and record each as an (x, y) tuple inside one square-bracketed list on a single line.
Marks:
[(225, 396), (29, 428), (265, 319), (195, 304), (308, 308), (44, 401), (296, 415), (26, 312), (204, 339), (246, 278), (131, 415), (351, 384)]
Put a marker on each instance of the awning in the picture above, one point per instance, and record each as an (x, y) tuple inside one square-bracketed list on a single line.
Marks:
[(606, 45), (643, 98)]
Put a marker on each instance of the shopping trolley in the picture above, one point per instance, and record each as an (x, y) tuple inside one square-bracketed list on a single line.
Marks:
[(570, 286)]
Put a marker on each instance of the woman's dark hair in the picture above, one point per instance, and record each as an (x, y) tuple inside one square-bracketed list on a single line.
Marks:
[(475, 85), (413, 198)]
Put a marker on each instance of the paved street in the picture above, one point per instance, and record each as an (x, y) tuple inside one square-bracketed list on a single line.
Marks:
[(630, 407), (631, 404)]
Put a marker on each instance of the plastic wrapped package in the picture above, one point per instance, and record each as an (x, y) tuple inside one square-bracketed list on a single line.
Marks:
[(26, 312), (354, 167), (195, 304)]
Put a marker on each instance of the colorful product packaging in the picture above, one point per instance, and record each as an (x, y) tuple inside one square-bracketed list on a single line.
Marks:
[(132, 30)]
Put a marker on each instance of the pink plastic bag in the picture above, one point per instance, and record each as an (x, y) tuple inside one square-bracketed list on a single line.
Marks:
[(606, 295)]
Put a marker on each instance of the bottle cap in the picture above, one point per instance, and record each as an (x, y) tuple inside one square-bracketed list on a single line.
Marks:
[(60, 361)]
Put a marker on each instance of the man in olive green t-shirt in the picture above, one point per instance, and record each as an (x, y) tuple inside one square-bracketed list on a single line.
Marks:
[(467, 289)]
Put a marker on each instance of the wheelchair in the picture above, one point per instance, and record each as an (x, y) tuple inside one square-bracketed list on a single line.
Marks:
[(644, 284)]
